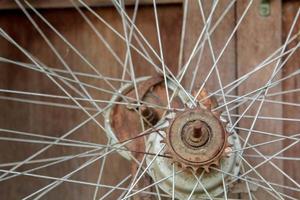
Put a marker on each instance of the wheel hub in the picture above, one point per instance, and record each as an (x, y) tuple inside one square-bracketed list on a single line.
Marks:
[(195, 134), (196, 139)]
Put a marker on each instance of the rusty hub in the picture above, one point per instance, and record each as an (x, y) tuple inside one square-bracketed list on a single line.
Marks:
[(125, 120), (196, 139), (195, 134)]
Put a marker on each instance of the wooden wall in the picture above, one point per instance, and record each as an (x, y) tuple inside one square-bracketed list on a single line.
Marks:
[(257, 37), (55, 121)]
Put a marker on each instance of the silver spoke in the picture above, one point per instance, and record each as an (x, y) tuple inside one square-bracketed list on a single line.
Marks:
[(250, 181), (111, 121), (200, 183), (54, 184), (234, 84), (201, 47), (214, 61), (97, 189), (182, 34), (224, 48), (141, 175), (116, 187), (50, 45), (161, 52)]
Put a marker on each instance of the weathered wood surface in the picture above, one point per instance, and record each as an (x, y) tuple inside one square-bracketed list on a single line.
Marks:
[(9, 4), (289, 11), (226, 64), (257, 37), (57, 121)]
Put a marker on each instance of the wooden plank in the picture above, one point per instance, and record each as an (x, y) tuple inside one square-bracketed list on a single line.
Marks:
[(257, 37), (226, 64), (289, 11), (56, 121), (8, 4)]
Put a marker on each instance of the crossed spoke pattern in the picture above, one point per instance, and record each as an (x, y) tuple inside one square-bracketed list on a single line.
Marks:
[(59, 79)]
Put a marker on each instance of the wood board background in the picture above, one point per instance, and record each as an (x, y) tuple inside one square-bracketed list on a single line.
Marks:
[(258, 36)]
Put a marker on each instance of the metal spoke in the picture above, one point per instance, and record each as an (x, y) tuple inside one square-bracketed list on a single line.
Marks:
[(182, 35), (145, 170), (161, 53), (247, 180), (275, 71), (201, 46), (97, 189), (76, 181), (151, 185), (50, 45), (54, 184), (224, 48), (117, 186), (214, 60), (256, 69), (95, 95), (200, 183)]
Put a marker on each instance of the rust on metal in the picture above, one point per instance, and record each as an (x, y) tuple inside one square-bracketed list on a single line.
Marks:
[(149, 115), (209, 102), (143, 88), (195, 134), (196, 139), (126, 121)]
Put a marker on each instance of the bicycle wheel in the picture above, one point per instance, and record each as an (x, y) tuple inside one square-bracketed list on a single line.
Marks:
[(149, 99)]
